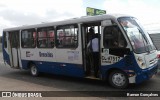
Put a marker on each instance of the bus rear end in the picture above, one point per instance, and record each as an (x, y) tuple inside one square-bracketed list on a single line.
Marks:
[(10, 47)]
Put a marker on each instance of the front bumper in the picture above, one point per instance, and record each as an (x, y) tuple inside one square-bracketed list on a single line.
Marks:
[(146, 74)]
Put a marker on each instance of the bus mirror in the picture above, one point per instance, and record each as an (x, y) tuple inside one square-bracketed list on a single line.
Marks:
[(128, 52), (106, 23)]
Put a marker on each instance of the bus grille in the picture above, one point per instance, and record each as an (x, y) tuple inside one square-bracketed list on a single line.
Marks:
[(153, 61)]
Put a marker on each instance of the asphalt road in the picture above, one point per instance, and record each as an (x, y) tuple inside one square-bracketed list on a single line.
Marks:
[(20, 80)]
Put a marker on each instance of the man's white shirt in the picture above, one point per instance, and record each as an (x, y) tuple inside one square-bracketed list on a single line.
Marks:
[(95, 45)]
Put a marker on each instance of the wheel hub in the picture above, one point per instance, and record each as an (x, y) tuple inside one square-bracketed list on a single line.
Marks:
[(118, 79)]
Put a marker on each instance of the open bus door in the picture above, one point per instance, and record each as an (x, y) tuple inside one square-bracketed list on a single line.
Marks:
[(88, 62), (13, 46)]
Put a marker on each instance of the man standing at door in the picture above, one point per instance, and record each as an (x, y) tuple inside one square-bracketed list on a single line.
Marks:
[(94, 45)]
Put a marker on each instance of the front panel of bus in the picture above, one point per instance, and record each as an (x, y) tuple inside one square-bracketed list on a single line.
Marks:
[(145, 54), (128, 48)]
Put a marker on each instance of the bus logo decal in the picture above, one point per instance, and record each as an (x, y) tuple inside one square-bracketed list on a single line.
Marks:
[(28, 54)]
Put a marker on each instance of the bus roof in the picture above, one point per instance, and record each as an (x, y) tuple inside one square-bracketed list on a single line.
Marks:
[(82, 19)]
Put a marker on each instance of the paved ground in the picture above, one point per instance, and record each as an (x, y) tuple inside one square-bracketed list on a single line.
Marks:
[(17, 80)]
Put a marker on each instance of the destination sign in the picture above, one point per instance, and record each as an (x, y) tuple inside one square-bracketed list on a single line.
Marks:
[(93, 11)]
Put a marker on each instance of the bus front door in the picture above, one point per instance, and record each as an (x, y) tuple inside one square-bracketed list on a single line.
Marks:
[(89, 32), (13, 48)]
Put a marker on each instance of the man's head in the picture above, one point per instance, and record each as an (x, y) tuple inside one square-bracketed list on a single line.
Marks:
[(91, 30), (124, 23)]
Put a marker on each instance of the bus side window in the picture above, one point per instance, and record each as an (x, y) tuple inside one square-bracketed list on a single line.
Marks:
[(28, 38), (51, 38), (67, 36), (45, 37), (5, 39), (113, 38)]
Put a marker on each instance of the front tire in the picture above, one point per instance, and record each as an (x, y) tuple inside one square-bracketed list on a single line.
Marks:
[(118, 79), (34, 70)]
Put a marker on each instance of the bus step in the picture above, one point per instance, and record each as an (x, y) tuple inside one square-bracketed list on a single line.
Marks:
[(92, 77)]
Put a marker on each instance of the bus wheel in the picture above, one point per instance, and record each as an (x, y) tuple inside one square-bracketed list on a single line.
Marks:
[(118, 79), (34, 70)]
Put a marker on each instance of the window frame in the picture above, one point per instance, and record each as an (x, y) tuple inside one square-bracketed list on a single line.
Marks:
[(5, 40), (13, 42), (33, 30), (122, 36), (68, 26), (46, 29)]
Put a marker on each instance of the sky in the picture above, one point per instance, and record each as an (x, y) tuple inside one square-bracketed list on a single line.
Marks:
[(15, 13)]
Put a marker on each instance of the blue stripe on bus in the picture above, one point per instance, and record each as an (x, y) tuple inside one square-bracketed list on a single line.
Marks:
[(57, 68), (6, 57)]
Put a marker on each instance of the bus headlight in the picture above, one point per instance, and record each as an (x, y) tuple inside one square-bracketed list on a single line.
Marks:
[(141, 62)]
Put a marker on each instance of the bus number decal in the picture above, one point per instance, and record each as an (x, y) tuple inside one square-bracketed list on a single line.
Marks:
[(48, 54), (110, 59)]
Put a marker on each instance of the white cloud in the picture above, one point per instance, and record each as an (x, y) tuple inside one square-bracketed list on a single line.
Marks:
[(20, 12), (147, 11), (139, 8), (5, 23), (41, 6)]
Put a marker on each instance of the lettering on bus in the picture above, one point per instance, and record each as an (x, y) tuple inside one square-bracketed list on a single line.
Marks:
[(48, 54), (110, 59)]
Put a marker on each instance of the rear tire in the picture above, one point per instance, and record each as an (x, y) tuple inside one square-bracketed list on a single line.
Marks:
[(34, 70), (118, 79)]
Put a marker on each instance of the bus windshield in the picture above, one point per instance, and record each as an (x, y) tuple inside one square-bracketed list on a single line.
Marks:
[(140, 40)]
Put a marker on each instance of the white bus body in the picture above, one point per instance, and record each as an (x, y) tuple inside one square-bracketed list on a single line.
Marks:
[(126, 53)]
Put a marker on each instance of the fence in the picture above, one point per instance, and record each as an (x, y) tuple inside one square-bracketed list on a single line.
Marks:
[(156, 40)]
